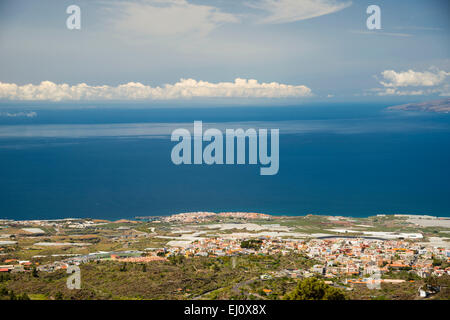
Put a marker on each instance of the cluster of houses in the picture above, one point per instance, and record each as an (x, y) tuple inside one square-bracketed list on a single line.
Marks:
[(361, 256), (192, 217), (336, 256), (15, 265), (353, 259), (71, 223), (124, 256), (229, 247)]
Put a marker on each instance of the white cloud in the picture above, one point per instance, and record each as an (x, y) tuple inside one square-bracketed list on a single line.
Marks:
[(285, 11), (441, 91), (396, 92), (30, 114), (432, 82), (166, 18), (444, 91), (413, 78), (184, 89)]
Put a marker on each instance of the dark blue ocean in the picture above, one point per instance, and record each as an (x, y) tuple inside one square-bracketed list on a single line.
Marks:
[(114, 162)]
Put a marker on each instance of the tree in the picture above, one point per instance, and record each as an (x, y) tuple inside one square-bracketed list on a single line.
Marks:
[(333, 293), (24, 296), (436, 262), (251, 244), (3, 291), (431, 281), (12, 296), (214, 267), (176, 259), (59, 296), (314, 289), (4, 277)]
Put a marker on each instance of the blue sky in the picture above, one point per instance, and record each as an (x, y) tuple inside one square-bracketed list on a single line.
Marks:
[(299, 50)]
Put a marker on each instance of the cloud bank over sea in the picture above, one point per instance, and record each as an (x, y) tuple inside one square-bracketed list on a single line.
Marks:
[(184, 89)]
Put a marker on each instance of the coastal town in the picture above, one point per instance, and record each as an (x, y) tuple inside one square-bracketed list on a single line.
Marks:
[(395, 251)]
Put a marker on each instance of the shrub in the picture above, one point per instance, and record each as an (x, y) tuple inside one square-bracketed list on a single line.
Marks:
[(314, 289)]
